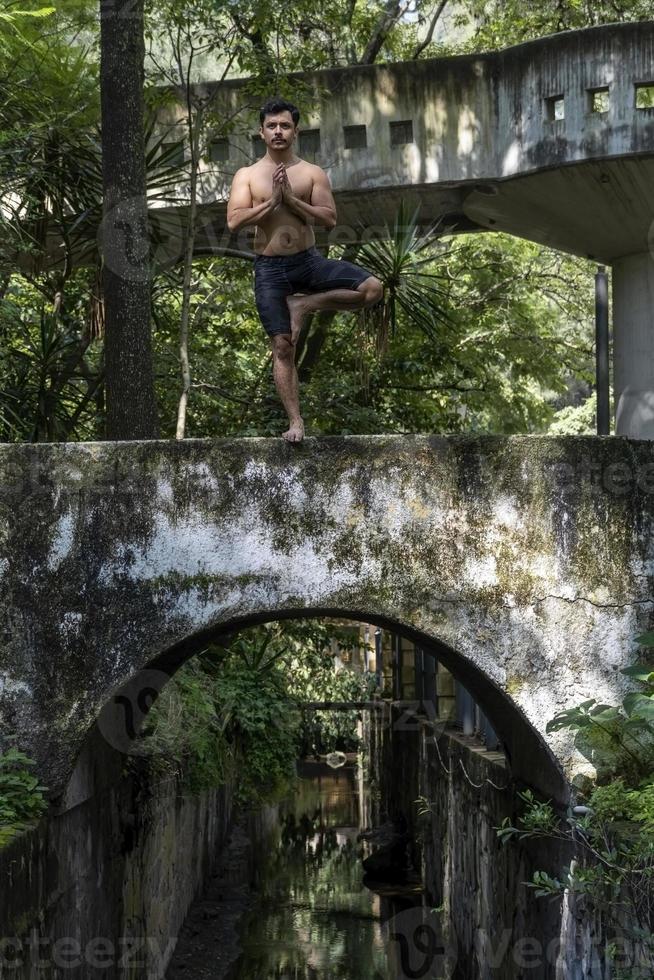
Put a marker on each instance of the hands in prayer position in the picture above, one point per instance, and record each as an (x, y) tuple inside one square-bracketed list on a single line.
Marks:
[(281, 187)]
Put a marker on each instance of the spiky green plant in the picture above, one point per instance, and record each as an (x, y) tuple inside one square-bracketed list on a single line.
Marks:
[(406, 260)]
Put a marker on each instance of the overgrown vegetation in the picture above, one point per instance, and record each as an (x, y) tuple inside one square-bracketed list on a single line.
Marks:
[(612, 828), (232, 712), (316, 672), (511, 351), (22, 799)]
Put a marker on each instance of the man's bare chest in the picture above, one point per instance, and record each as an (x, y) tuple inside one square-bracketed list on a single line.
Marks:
[(261, 185)]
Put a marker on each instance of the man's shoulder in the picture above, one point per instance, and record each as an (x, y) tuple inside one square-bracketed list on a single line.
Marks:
[(313, 169), (250, 171), (242, 172)]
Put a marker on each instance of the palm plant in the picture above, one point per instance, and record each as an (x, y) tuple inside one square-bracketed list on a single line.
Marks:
[(12, 19), (401, 260), (48, 385), (50, 214)]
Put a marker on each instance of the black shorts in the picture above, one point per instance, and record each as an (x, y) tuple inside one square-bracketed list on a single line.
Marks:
[(279, 276)]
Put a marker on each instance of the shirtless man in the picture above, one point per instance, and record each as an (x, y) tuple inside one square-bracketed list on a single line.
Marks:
[(285, 197)]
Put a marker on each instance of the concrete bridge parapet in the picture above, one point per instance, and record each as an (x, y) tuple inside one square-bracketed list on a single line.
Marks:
[(525, 563)]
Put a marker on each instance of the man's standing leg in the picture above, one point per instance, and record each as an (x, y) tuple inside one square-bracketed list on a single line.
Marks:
[(271, 289), (286, 382)]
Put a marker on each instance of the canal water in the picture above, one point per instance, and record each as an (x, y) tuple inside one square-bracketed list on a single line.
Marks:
[(314, 919)]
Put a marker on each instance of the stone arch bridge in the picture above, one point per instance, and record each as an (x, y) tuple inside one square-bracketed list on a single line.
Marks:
[(525, 563)]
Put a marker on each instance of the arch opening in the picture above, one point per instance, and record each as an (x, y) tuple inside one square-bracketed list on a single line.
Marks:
[(530, 759)]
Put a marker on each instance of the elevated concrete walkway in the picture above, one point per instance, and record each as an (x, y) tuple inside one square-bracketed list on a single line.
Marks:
[(552, 141), (544, 140)]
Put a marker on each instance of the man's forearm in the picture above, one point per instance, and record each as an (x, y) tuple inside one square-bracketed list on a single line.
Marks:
[(311, 214), (250, 216)]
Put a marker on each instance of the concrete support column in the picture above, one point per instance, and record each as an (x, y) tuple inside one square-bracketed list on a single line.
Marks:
[(633, 345)]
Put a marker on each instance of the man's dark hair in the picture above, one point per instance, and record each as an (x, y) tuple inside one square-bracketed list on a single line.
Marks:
[(273, 106)]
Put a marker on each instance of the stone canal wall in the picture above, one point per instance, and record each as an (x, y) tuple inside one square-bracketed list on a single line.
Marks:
[(494, 925), (102, 888)]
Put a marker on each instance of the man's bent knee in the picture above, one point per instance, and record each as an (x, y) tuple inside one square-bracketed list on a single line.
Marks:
[(372, 289)]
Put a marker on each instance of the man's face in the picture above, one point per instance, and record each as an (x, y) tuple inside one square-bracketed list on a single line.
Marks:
[(278, 130)]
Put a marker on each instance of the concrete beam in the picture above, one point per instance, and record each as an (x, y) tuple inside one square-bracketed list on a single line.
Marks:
[(483, 145)]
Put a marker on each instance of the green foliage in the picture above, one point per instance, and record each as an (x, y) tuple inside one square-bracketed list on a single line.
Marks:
[(22, 799), (50, 371), (316, 668), (231, 712), (499, 23), (498, 361), (617, 739), (424, 806), (575, 420), (399, 261), (261, 721), (538, 819), (184, 734), (613, 832), (544, 885), (11, 18), (224, 717)]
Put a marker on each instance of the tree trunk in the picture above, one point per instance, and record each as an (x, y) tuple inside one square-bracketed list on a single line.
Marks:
[(432, 27), (130, 397), (387, 21)]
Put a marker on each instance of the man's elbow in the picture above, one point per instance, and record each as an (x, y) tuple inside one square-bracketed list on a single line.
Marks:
[(330, 221), (232, 223)]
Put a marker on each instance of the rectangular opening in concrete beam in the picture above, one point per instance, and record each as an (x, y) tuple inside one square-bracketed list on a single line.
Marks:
[(401, 132), (355, 137), (219, 150), (258, 147), (172, 154), (598, 99), (309, 143), (645, 95), (554, 108)]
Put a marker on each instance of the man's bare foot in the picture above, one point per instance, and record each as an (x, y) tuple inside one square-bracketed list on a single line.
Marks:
[(295, 433), (298, 310)]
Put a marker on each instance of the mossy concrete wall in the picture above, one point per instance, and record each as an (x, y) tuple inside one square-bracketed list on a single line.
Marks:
[(524, 562), (101, 887), (493, 926)]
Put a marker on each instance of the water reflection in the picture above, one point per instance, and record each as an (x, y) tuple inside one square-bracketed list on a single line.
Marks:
[(315, 920)]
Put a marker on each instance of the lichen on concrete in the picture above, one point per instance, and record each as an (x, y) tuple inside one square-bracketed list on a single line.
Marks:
[(516, 557)]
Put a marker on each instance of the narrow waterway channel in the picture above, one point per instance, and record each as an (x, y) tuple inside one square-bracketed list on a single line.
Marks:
[(310, 916), (314, 919)]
